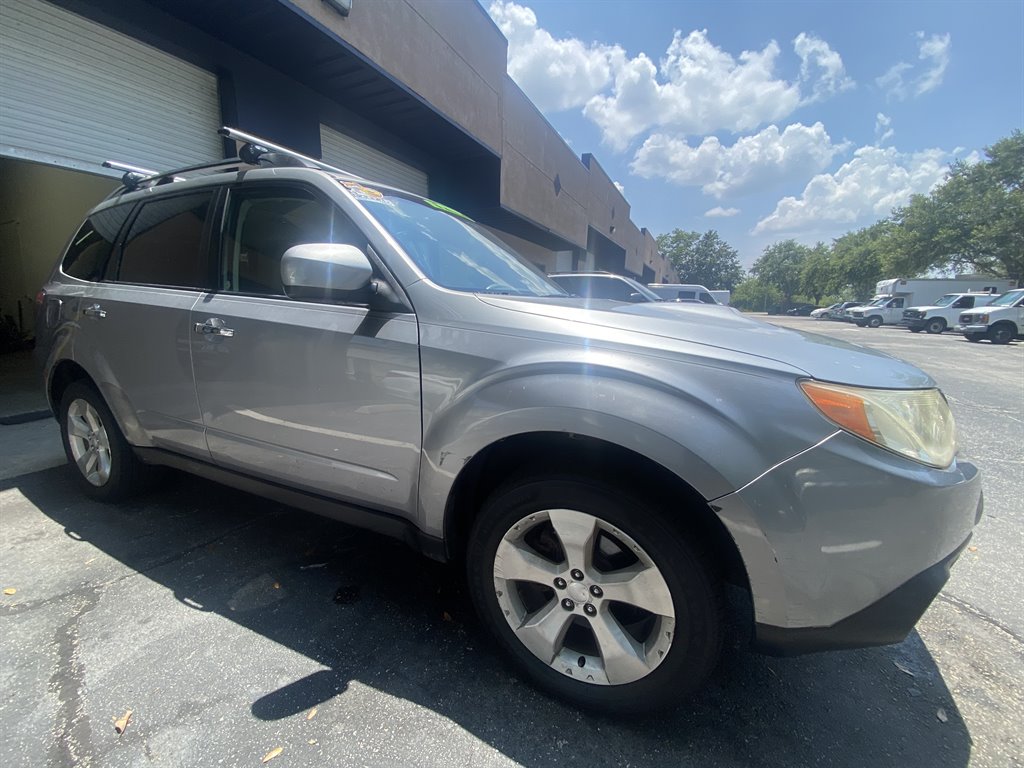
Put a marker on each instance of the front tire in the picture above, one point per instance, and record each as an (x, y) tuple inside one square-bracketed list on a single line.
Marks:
[(938, 325), (595, 594), (1001, 333), (874, 321), (104, 465)]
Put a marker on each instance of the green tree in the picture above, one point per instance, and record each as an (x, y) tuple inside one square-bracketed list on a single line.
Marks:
[(973, 222), (780, 266), (705, 259), (755, 296), (818, 274)]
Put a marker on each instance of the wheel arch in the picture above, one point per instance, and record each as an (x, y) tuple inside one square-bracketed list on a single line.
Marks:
[(64, 374), (573, 454)]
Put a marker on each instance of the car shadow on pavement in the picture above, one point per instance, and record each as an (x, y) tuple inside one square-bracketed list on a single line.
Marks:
[(369, 611)]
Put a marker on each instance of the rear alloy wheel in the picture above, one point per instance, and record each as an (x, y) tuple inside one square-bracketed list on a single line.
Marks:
[(935, 325), (104, 464), (597, 597), (874, 321), (1001, 333)]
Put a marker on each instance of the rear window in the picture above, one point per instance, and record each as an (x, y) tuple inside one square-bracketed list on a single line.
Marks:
[(90, 250)]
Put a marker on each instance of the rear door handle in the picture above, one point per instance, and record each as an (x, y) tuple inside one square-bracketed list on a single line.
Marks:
[(213, 327), (94, 310)]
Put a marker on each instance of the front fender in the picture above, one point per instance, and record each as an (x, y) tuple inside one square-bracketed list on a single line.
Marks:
[(710, 433)]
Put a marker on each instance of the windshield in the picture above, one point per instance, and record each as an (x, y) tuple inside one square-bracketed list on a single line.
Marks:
[(449, 249), (1007, 299), (643, 290), (877, 302), (946, 300)]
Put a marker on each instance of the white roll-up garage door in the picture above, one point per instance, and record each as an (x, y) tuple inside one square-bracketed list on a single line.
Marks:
[(74, 93), (353, 156)]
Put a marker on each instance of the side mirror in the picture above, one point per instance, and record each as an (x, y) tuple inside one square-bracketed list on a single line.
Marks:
[(325, 267)]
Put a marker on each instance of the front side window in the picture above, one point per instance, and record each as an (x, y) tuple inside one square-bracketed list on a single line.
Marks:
[(91, 247), (265, 221), (165, 243), (449, 249)]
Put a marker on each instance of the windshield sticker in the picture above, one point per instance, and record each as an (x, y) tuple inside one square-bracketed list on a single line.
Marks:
[(363, 193), (446, 209)]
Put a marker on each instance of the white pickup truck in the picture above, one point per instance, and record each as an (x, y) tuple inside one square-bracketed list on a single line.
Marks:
[(881, 309), (999, 322), (944, 313)]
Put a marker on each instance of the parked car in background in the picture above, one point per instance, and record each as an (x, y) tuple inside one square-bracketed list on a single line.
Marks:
[(838, 311), (683, 292), (823, 312), (944, 313), (1000, 321), (801, 310), (604, 285), (882, 309), (601, 470)]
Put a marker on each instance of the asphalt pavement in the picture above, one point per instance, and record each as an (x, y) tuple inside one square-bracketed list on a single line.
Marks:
[(231, 627)]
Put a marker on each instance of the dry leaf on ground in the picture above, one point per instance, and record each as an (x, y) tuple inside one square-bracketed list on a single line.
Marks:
[(941, 714), (122, 723), (10, 591), (311, 714), (272, 754)]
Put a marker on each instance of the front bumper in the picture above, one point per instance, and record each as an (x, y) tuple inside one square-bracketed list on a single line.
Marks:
[(846, 544), (914, 323), (972, 329)]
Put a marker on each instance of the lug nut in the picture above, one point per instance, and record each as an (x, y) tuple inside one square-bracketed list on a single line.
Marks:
[(568, 604), (590, 610), (577, 574), (596, 591), (560, 583)]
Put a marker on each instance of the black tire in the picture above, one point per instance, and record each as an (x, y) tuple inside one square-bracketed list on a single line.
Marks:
[(974, 337), (935, 325), (126, 475), (914, 330), (860, 323), (1002, 333), (874, 321), (693, 584)]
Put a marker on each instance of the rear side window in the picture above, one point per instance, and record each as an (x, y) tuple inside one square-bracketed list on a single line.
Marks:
[(165, 243), (90, 250)]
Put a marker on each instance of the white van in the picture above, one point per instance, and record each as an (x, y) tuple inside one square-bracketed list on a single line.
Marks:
[(680, 292)]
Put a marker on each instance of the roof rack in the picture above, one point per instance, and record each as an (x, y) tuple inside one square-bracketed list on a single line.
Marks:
[(253, 152)]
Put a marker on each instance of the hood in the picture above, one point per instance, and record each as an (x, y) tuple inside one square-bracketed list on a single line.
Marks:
[(718, 327)]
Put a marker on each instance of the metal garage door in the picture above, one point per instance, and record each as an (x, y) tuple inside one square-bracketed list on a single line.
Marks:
[(74, 93), (355, 157)]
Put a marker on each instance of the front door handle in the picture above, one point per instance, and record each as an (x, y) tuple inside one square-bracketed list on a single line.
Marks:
[(213, 327), (94, 310)]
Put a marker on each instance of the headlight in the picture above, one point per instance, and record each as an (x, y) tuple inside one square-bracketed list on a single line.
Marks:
[(983, 319), (916, 423)]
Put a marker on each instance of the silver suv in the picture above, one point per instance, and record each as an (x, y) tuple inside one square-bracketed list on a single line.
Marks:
[(601, 469)]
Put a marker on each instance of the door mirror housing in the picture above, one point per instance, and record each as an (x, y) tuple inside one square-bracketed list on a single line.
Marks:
[(324, 268)]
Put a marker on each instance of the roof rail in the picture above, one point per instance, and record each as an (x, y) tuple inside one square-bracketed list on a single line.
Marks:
[(253, 152)]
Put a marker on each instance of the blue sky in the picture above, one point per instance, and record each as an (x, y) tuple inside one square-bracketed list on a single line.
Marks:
[(769, 120)]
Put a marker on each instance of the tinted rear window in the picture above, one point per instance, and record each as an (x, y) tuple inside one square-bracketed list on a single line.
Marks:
[(165, 243), (90, 249)]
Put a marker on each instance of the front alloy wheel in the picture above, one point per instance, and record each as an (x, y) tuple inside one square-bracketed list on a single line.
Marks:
[(596, 593)]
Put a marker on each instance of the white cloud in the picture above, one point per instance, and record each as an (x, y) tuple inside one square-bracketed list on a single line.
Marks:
[(555, 73), (904, 80), (752, 163), (866, 188), (618, 186), (883, 129), (697, 88), (721, 213), (820, 67)]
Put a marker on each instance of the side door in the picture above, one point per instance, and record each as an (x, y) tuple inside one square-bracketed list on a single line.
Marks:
[(318, 394), (134, 324), (893, 311)]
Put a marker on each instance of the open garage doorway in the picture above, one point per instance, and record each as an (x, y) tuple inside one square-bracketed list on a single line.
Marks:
[(40, 208)]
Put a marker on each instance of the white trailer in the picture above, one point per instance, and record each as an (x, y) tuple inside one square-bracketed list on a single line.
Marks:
[(894, 295)]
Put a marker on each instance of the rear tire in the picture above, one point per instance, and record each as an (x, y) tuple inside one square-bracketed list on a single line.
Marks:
[(938, 325), (1002, 333), (542, 543), (104, 465)]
